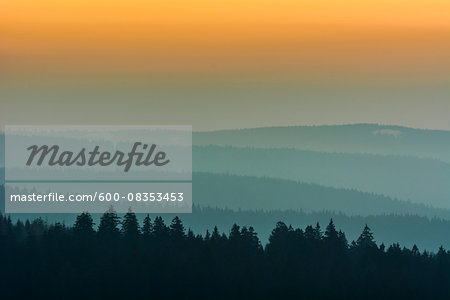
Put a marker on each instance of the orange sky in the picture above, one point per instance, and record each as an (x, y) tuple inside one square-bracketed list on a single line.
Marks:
[(372, 37), (133, 12)]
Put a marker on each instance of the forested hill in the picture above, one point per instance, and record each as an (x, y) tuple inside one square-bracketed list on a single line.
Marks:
[(245, 192), (402, 177), (126, 259)]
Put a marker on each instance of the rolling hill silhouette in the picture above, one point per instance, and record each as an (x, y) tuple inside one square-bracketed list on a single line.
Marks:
[(358, 138), (403, 177)]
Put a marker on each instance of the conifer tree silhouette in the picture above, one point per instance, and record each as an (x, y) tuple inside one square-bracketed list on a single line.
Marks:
[(331, 234), (177, 230), (108, 228), (130, 226), (84, 226), (160, 230), (366, 240), (147, 227)]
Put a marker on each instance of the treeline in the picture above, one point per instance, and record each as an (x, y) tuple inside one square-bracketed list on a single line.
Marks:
[(427, 233), (123, 258)]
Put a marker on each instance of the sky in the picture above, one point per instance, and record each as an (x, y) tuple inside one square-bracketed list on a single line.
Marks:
[(225, 64)]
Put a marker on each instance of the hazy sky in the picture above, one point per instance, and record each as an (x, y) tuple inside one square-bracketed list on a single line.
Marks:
[(225, 64)]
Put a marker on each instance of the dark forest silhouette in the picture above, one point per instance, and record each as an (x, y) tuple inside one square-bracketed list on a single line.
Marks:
[(124, 259)]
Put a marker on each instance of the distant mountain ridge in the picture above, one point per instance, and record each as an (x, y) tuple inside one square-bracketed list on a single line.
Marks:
[(253, 193), (352, 138), (357, 138)]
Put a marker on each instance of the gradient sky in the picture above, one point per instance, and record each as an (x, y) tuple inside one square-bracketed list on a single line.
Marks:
[(225, 64)]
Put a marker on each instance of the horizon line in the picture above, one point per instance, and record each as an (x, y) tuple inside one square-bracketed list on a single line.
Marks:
[(2, 128)]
